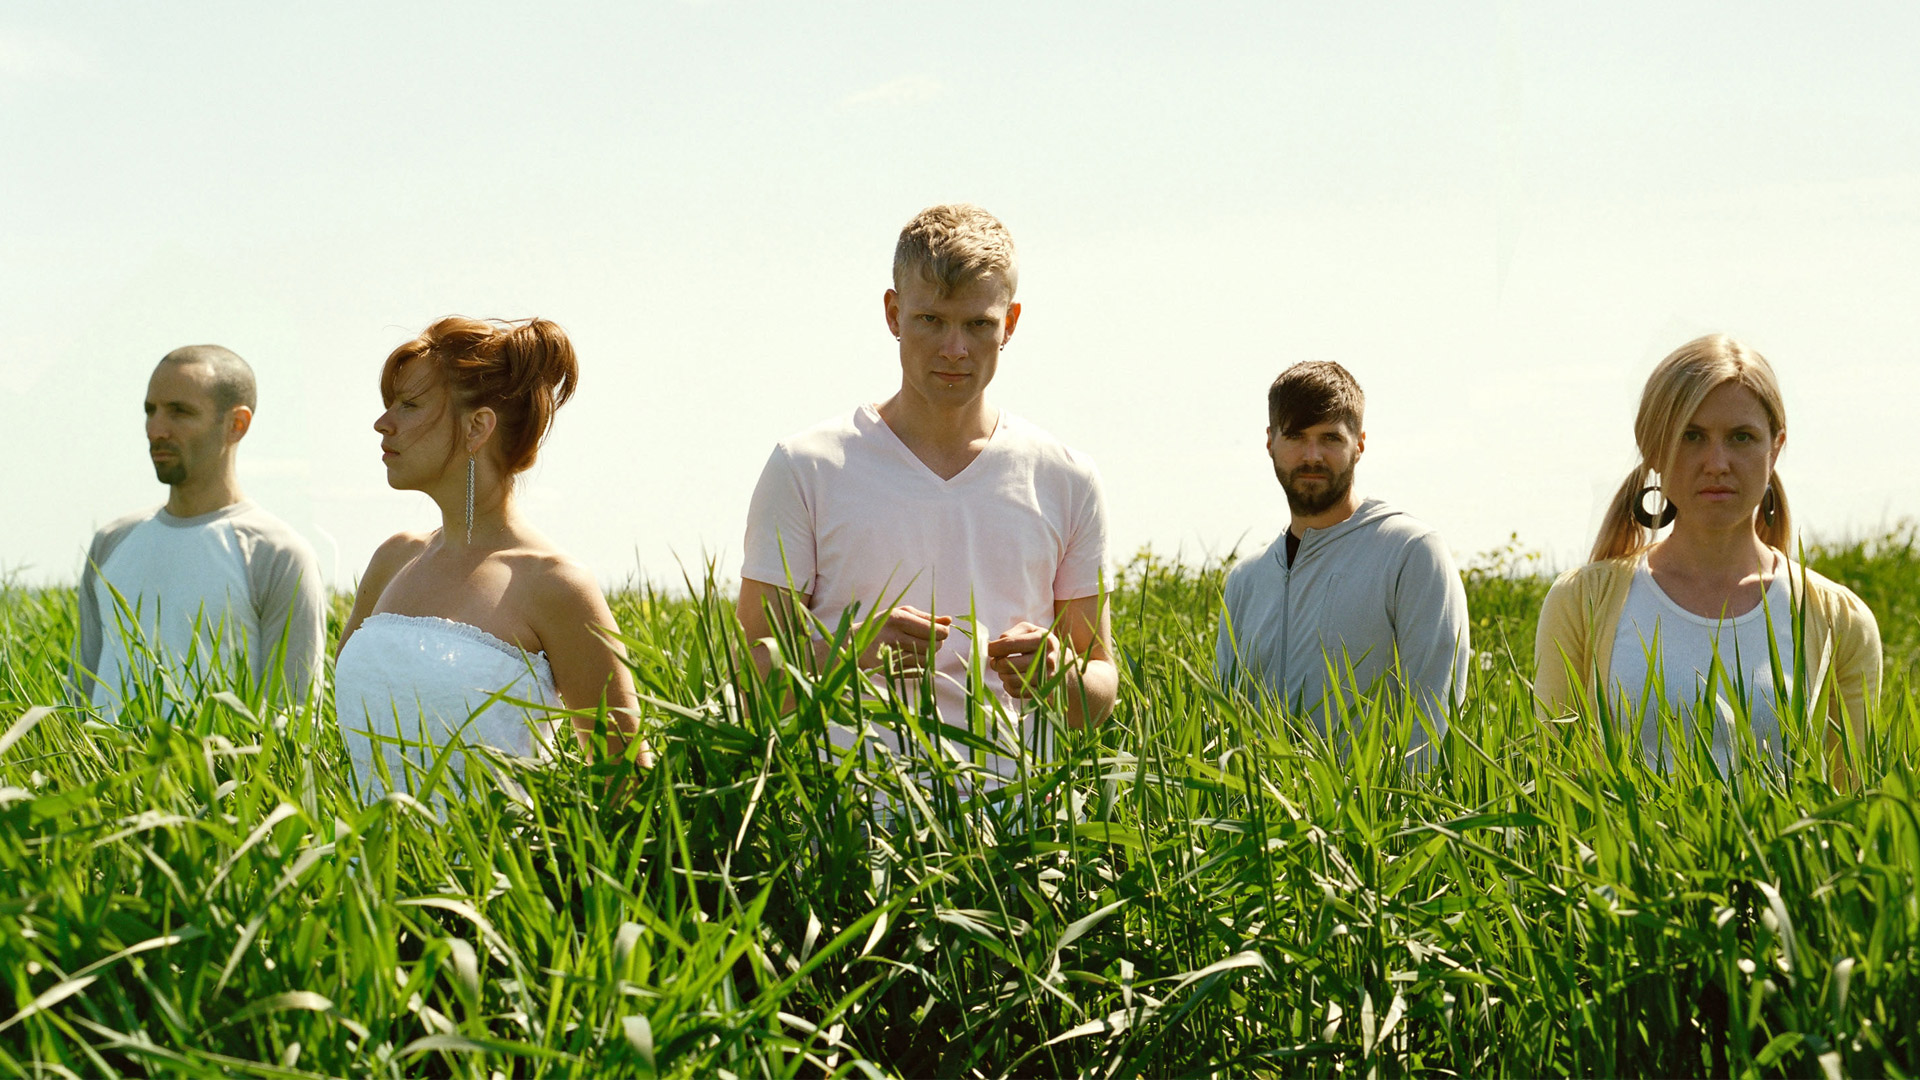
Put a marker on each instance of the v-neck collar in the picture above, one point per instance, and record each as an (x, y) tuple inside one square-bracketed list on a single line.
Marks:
[(993, 438)]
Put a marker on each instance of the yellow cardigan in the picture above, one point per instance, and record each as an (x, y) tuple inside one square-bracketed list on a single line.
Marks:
[(1581, 615)]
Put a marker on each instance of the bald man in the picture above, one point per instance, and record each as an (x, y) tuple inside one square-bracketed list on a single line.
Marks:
[(209, 587)]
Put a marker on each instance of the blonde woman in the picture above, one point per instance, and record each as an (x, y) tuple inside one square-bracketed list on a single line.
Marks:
[(1651, 616)]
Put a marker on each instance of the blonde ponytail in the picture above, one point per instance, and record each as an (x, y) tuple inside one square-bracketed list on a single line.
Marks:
[(1620, 533), (1778, 535)]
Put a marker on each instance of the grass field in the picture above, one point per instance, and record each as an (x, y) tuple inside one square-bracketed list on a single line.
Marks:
[(1196, 888)]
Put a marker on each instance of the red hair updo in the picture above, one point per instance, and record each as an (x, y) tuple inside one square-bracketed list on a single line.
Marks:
[(522, 370)]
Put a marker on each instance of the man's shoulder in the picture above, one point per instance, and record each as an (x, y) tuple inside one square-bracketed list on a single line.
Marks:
[(1030, 437), (1387, 521), (116, 530), (268, 531), (1033, 442), (831, 439), (1247, 572), (108, 538), (1387, 534)]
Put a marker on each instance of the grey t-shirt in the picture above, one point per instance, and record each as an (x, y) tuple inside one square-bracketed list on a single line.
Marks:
[(192, 593), (1374, 597)]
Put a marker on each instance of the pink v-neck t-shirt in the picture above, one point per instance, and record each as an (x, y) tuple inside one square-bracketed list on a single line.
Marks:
[(845, 513)]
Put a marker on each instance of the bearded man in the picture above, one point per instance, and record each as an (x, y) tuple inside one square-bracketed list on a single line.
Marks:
[(208, 591), (1355, 597)]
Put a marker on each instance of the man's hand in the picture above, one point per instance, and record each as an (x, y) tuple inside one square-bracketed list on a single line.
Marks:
[(905, 645), (1026, 658)]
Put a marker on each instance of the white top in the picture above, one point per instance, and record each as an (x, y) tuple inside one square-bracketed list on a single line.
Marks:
[(195, 594), (422, 679), (1684, 647), (845, 513)]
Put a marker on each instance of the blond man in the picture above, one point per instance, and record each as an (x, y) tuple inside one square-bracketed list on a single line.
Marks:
[(977, 538)]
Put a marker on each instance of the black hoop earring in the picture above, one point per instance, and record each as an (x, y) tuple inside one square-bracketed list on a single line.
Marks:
[(1769, 505), (1647, 519)]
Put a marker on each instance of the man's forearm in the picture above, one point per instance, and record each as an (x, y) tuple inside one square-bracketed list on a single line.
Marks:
[(762, 653), (1091, 690)]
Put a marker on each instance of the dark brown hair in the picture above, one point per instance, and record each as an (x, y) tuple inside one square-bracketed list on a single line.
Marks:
[(521, 370), (1314, 392), (231, 381)]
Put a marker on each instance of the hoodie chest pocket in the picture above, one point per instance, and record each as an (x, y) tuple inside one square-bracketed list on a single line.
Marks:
[(1327, 609), (1316, 597)]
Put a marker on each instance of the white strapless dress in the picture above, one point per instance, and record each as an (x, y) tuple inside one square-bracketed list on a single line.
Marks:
[(424, 679)]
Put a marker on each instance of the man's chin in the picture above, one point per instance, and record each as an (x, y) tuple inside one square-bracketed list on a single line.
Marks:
[(1318, 502), (169, 475)]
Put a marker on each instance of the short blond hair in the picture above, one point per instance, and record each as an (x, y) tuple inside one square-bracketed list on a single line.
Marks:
[(955, 244)]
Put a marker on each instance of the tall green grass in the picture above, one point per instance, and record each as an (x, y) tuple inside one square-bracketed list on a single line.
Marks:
[(1195, 888)]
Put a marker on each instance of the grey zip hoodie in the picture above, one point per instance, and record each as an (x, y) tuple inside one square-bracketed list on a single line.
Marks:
[(1378, 585)]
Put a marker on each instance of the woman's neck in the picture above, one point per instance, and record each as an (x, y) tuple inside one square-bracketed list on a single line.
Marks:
[(496, 519), (1718, 556)]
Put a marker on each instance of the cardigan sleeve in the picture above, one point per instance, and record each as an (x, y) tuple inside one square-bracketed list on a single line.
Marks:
[(1559, 643), (1856, 658)]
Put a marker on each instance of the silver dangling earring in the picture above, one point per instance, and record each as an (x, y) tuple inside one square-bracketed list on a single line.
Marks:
[(469, 500)]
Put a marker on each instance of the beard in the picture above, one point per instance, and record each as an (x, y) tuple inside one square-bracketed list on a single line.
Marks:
[(170, 472), (1307, 503)]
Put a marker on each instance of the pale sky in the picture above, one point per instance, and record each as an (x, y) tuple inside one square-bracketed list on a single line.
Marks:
[(1498, 216)]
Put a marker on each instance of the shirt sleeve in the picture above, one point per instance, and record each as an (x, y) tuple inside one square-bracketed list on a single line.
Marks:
[(90, 642), (1083, 564), (780, 541), (1431, 629), (86, 643), (283, 576), (1226, 652)]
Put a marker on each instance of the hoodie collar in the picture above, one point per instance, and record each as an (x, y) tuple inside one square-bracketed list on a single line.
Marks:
[(1368, 513)]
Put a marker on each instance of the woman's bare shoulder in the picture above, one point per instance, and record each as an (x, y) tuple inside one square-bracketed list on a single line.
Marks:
[(400, 549), (555, 585), (392, 556), (395, 554), (560, 574)]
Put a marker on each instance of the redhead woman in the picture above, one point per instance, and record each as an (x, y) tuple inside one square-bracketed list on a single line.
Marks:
[(1651, 616), (454, 628)]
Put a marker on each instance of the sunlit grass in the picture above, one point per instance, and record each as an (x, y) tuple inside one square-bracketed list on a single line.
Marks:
[(1195, 888)]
